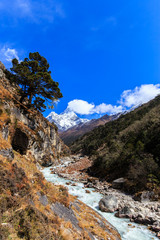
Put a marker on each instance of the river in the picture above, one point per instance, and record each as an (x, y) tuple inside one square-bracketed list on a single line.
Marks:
[(134, 232)]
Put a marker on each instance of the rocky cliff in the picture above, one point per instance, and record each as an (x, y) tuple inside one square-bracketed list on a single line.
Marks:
[(30, 207), (28, 132)]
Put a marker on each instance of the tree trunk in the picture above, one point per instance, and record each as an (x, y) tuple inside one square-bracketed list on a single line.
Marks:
[(30, 98)]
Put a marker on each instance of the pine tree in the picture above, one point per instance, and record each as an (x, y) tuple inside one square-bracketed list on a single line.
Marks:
[(34, 80)]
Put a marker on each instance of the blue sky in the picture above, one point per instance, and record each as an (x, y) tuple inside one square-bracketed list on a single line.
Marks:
[(104, 54)]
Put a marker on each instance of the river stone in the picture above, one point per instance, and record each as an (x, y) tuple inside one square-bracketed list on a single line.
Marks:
[(125, 212), (118, 183), (144, 196), (109, 203)]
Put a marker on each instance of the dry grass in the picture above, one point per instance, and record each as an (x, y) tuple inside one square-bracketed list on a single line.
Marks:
[(88, 219), (5, 94), (24, 127), (62, 229), (3, 143), (4, 118)]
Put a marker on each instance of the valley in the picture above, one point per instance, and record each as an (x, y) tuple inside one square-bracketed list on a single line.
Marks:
[(105, 186), (71, 173)]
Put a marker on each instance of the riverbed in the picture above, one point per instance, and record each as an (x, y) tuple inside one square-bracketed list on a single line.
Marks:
[(127, 232)]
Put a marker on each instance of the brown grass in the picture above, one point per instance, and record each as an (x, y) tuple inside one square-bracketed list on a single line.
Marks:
[(3, 143), (4, 118)]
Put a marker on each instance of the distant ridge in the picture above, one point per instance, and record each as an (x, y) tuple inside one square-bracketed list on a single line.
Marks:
[(77, 131), (65, 120)]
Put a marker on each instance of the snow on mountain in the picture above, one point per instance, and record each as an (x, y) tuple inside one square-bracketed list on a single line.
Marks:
[(65, 120)]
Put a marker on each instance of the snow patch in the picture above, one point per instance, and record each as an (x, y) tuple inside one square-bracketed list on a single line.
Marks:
[(65, 120)]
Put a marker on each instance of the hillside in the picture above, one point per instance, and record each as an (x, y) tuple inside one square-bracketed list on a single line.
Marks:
[(79, 130), (30, 207), (128, 147)]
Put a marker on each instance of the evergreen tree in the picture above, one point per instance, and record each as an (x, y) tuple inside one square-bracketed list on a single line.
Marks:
[(34, 80)]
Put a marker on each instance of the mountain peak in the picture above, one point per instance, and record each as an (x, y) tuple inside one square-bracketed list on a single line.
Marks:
[(66, 119)]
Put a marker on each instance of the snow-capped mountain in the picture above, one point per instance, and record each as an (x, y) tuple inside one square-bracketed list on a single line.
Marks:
[(65, 120)]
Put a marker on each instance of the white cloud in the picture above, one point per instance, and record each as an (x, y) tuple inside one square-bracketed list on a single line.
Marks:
[(7, 54), (139, 95), (84, 108), (81, 106), (128, 99), (107, 108)]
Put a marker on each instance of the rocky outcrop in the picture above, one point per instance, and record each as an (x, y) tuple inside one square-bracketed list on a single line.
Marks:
[(28, 132), (66, 213)]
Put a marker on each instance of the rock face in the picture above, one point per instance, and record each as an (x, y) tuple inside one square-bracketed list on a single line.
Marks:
[(28, 131), (108, 203), (7, 153)]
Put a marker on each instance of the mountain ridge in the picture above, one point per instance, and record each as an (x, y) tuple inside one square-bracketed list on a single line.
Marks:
[(79, 130), (127, 147), (66, 119)]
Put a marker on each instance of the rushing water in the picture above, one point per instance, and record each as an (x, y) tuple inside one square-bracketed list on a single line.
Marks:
[(137, 232)]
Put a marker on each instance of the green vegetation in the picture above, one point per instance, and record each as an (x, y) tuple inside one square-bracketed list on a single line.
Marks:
[(127, 147), (34, 81)]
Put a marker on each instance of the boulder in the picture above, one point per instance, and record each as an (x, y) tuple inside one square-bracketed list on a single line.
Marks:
[(118, 183), (141, 219), (125, 212), (109, 203), (144, 196), (89, 185), (156, 228), (74, 184), (87, 191)]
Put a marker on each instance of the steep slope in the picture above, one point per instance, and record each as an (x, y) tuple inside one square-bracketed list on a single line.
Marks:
[(128, 147), (30, 133), (65, 120), (77, 131), (30, 207)]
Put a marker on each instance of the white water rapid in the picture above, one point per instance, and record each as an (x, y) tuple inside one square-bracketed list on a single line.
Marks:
[(136, 232)]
